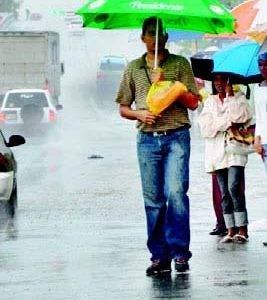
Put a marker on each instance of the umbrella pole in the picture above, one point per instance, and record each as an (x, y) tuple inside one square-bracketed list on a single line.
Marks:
[(157, 45)]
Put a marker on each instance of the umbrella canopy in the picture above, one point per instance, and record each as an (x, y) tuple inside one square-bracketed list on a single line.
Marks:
[(238, 60), (251, 19), (201, 15), (202, 64)]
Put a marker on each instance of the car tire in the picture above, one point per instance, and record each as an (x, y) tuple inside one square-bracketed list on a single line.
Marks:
[(12, 203)]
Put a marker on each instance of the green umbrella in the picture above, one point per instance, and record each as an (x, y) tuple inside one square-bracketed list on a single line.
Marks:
[(196, 15)]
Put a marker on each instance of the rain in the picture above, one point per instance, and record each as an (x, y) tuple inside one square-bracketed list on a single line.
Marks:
[(79, 229)]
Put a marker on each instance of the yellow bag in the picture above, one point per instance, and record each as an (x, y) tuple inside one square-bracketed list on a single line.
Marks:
[(162, 94)]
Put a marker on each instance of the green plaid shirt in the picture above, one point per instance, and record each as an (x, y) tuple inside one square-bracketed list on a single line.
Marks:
[(134, 87)]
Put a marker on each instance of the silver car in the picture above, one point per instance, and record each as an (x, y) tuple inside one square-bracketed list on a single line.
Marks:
[(8, 171), (28, 107)]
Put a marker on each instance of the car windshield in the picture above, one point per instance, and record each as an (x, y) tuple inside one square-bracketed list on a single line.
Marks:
[(18, 100), (112, 64)]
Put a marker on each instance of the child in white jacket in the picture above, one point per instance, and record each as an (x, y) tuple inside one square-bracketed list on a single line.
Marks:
[(218, 114)]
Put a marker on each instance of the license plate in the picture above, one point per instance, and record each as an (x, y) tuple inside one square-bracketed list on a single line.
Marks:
[(11, 117)]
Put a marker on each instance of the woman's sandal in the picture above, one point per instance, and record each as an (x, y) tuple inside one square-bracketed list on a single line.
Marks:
[(240, 239), (227, 239)]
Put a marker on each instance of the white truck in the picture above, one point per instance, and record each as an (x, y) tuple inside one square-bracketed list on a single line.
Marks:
[(30, 60)]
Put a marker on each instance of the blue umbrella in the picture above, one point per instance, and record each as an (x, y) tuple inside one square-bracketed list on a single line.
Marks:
[(239, 60)]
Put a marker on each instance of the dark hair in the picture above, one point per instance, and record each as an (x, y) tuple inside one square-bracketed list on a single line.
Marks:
[(223, 75), (262, 56), (152, 21)]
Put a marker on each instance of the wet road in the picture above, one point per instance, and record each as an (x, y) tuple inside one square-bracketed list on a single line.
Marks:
[(80, 228)]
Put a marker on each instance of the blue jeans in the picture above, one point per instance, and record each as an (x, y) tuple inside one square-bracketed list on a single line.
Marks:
[(164, 168), (231, 182)]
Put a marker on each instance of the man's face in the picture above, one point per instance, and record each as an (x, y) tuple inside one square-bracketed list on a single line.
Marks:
[(149, 38), (263, 68)]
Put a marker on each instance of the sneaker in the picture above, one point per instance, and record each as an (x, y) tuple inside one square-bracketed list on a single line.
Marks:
[(240, 238), (159, 267), (227, 239), (218, 231), (181, 265)]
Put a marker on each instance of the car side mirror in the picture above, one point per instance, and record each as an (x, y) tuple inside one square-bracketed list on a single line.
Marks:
[(59, 107), (15, 140)]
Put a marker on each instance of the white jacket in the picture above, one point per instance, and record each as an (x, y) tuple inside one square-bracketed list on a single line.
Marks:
[(214, 119)]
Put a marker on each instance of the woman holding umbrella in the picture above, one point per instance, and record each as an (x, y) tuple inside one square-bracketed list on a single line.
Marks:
[(219, 113)]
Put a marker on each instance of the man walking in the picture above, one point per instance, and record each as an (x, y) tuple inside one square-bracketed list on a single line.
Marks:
[(163, 149)]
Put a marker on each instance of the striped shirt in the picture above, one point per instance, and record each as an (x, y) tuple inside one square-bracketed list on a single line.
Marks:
[(135, 85)]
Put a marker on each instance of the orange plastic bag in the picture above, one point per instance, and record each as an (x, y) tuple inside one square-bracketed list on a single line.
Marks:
[(162, 94)]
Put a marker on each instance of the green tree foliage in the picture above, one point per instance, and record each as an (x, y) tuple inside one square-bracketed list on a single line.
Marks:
[(9, 6)]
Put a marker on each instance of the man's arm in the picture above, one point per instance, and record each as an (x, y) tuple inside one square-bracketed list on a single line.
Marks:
[(125, 98), (191, 98), (258, 145), (142, 115)]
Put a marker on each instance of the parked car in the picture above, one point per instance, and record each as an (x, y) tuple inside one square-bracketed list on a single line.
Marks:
[(109, 74), (29, 107), (8, 171)]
